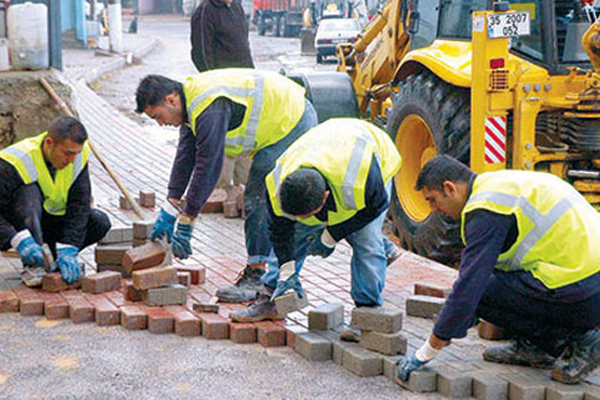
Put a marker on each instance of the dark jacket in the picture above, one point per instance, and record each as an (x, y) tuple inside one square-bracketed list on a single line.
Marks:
[(220, 36)]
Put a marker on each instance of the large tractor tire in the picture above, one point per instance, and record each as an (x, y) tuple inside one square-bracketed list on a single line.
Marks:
[(429, 117)]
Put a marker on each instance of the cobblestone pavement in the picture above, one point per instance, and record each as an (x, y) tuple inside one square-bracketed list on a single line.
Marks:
[(142, 159)]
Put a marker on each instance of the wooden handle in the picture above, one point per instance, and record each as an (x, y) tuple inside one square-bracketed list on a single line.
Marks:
[(63, 106)]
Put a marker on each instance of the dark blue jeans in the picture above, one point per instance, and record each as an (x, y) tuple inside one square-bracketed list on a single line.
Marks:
[(258, 242), (546, 324)]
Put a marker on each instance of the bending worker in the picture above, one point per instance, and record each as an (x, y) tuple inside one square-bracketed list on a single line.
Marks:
[(227, 111), (332, 184), (531, 265), (45, 195)]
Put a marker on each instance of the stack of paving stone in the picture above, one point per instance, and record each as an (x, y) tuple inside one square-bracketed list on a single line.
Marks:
[(427, 301), (159, 286), (110, 251)]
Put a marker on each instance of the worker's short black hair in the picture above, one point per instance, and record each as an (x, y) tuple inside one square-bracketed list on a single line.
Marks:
[(65, 127), (302, 191), (440, 169), (153, 89)]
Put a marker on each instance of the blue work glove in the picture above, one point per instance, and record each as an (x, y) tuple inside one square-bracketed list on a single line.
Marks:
[(66, 259), (288, 279), (181, 240), (324, 246), (29, 250), (165, 222), (406, 365)]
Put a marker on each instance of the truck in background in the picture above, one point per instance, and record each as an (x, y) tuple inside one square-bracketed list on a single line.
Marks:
[(282, 17)]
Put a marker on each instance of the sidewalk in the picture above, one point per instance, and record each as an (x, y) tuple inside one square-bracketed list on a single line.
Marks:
[(218, 243)]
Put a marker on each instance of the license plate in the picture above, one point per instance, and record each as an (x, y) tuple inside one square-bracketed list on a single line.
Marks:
[(508, 24)]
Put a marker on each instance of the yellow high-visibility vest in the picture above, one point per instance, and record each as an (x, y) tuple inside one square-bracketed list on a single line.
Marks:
[(274, 105), (342, 150), (27, 158), (559, 230)]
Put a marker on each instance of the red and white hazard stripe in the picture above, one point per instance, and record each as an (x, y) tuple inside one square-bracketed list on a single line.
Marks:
[(495, 140)]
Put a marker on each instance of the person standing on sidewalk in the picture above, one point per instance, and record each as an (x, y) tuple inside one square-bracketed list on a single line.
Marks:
[(228, 111), (531, 265), (45, 196), (333, 183), (220, 40)]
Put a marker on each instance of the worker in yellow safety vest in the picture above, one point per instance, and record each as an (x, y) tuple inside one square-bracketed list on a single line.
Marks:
[(531, 265), (333, 183), (45, 197), (226, 111)]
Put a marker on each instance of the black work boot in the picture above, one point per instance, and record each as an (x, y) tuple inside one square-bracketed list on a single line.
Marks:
[(519, 352), (579, 359)]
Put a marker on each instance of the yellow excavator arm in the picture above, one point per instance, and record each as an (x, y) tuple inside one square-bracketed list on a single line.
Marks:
[(591, 44)]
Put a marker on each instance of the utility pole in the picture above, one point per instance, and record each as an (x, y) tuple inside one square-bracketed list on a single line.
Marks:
[(115, 26)]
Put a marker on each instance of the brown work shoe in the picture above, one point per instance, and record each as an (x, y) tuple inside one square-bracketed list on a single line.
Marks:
[(579, 359), (519, 352), (260, 309)]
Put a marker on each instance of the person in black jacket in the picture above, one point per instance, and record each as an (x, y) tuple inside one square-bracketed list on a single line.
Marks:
[(45, 196), (220, 36)]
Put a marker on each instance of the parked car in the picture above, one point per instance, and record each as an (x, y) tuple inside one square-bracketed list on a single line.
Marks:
[(332, 31)]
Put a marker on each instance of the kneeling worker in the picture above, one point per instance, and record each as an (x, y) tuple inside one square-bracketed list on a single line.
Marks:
[(45, 195), (531, 265), (332, 184)]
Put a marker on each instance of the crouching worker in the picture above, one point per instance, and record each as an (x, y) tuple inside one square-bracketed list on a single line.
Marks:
[(332, 184), (45, 196), (531, 265)]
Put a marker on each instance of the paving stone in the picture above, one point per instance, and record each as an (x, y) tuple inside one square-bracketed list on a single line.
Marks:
[(149, 255), (80, 309), (102, 282), (9, 302), (140, 242), (214, 326), (489, 387), (424, 306), (165, 296), (337, 346), (454, 383), (591, 392), (147, 198), (186, 323), (110, 253), (154, 277), (206, 307), (362, 362), (377, 319), (184, 278), (291, 332), (521, 387), (53, 282), (390, 367), (313, 347), (420, 381), (131, 293), (214, 204), (142, 230), (271, 334), (113, 267), (55, 307), (116, 235), (105, 313), (230, 209), (30, 302), (325, 317), (384, 343), (133, 317), (160, 320), (430, 289), (124, 203), (489, 331), (242, 333), (290, 302), (198, 273), (558, 391)]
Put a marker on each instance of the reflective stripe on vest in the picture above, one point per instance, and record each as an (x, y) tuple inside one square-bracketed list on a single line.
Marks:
[(27, 161), (542, 222)]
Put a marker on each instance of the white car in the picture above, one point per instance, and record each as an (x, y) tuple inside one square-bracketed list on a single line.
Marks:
[(332, 31)]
